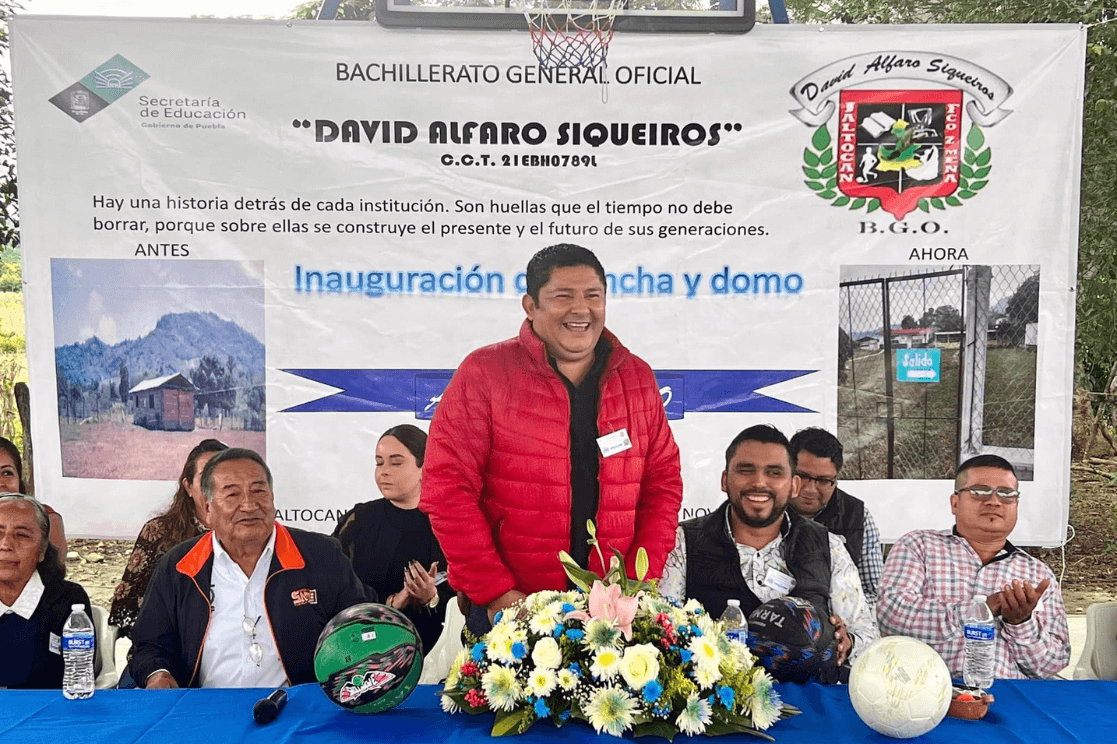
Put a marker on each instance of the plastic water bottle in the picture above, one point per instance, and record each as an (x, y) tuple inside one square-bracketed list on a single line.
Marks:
[(980, 633), (736, 627), (78, 647)]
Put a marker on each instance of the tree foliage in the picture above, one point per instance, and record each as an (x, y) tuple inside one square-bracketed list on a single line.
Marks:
[(216, 385), (349, 10), (9, 204)]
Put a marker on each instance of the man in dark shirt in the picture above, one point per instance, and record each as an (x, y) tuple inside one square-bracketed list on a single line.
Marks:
[(540, 433), (818, 455)]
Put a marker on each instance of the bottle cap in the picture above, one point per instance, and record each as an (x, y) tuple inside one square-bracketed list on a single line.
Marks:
[(77, 607), (980, 597), (734, 603)]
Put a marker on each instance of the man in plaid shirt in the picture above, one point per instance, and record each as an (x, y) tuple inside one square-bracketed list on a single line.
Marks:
[(930, 576)]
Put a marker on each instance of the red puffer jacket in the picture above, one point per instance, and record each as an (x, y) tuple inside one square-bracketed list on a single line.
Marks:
[(496, 477)]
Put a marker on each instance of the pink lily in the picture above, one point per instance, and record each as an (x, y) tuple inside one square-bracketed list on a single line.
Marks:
[(608, 603)]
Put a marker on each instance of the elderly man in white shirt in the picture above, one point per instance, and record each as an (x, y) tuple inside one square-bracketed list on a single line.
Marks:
[(243, 605)]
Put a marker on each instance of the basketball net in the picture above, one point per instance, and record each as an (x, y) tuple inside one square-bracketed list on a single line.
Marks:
[(573, 33)]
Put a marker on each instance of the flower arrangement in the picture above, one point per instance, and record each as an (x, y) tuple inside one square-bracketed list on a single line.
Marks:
[(615, 654)]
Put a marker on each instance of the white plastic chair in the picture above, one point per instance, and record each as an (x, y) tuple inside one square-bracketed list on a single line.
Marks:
[(1099, 656), (438, 661), (106, 649)]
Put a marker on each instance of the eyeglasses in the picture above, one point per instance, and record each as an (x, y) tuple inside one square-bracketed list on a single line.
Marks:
[(255, 650), (984, 493), (823, 483)]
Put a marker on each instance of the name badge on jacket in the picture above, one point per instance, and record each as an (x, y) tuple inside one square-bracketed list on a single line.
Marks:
[(611, 444)]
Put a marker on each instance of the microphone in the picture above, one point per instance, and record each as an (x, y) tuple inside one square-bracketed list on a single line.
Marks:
[(266, 710)]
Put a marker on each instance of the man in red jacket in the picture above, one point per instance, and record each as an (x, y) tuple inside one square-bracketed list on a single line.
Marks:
[(540, 433)]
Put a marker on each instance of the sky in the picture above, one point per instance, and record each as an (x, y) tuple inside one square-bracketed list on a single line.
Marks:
[(161, 8), (120, 299)]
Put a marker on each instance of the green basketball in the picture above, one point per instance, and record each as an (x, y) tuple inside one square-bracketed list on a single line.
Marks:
[(368, 658)]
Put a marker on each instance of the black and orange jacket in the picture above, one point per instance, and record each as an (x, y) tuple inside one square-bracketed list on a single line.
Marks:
[(309, 581)]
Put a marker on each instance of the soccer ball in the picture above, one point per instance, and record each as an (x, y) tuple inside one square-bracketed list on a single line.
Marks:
[(900, 687)]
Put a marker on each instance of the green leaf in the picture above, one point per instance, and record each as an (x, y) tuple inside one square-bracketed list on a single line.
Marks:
[(953, 201), (841, 201), (937, 203), (874, 205), (814, 185), (811, 172), (978, 185), (924, 206), (821, 138), (966, 194), (659, 728), (967, 171), (825, 156), (718, 728), (975, 139), (642, 566), (828, 194), (984, 157), (810, 158), (982, 172), (579, 576), (858, 203), (831, 183), (830, 170), (970, 157), (510, 722)]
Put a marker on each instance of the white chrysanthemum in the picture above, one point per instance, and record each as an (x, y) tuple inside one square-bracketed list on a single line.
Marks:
[(743, 655), (541, 682), (695, 716), (501, 688), (708, 626), (498, 644), (680, 618), (706, 678), (545, 618), (453, 676), (448, 704), (611, 710), (640, 665), (567, 679), (502, 641), (705, 652), (764, 704), (601, 633), (692, 606), (606, 663), (546, 654)]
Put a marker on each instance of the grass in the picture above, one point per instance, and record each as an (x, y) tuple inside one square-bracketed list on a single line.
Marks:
[(925, 415)]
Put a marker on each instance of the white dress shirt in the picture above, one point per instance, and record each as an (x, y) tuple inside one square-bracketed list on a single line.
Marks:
[(28, 599), (226, 655)]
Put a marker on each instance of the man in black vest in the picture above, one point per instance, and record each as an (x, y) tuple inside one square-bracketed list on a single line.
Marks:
[(753, 548), (818, 461)]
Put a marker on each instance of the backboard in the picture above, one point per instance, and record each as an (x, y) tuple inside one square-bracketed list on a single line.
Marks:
[(704, 16)]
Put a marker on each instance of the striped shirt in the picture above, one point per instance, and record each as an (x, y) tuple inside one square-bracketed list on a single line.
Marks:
[(929, 578)]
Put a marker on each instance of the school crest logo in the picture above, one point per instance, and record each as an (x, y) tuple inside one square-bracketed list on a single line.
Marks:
[(894, 148)]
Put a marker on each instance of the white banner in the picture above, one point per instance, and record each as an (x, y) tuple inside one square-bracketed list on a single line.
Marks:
[(288, 235)]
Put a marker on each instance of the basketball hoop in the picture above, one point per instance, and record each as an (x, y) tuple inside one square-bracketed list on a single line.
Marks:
[(571, 33)]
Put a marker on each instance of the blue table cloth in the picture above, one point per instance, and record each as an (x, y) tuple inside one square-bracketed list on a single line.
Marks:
[(1047, 712)]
